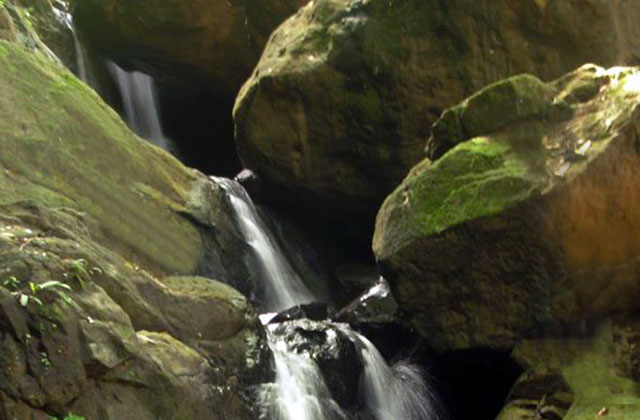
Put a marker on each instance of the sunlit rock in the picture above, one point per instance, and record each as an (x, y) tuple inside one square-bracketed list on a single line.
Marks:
[(529, 222), (341, 104)]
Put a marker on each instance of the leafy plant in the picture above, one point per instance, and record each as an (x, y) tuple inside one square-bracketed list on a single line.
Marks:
[(24, 297), (12, 282), (69, 416), (45, 360), (79, 270)]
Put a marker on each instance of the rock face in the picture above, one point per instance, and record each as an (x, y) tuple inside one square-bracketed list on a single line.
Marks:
[(576, 378), (341, 103), (530, 223), (216, 42), (88, 205), (41, 25)]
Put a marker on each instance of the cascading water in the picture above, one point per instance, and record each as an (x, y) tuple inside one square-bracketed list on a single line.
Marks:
[(140, 103), (137, 90), (82, 56), (300, 391), (283, 287), (392, 393)]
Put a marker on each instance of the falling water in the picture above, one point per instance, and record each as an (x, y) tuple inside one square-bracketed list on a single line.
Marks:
[(283, 287), (82, 56), (300, 390), (81, 61), (140, 103), (392, 393)]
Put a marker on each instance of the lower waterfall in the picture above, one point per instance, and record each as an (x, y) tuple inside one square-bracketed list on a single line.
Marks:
[(300, 390)]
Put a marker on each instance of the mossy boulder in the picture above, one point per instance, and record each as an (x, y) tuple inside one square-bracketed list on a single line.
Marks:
[(578, 377), (527, 225), (341, 104), (40, 25), (86, 203), (215, 43)]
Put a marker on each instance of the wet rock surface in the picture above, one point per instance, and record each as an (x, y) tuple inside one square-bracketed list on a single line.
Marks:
[(375, 306)]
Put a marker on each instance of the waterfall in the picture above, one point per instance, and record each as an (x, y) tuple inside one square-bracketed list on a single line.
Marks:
[(81, 54), (392, 393), (300, 390), (140, 102), (82, 60), (283, 287)]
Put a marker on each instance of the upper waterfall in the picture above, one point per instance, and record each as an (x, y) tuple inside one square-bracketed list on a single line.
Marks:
[(140, 102)]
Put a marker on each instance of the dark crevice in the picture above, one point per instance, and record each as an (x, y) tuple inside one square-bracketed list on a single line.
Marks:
[(200, 125), (474, 384)]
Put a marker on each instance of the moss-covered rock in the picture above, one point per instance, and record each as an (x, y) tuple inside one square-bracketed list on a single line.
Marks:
[(86, 203), (527, 225), (575, 378), (214, 42), (40, 25), (342, 102)]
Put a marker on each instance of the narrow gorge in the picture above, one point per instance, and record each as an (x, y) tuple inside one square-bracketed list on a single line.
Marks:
[(323, 210)]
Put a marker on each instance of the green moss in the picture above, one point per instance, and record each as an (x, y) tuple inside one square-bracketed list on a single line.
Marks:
[(60, 145), (505, 102), (478, 178)]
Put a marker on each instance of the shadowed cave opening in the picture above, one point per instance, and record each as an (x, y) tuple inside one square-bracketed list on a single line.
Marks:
[(474, 384), (200, 126)]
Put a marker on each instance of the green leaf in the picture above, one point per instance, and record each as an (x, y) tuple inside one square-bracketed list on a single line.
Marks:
[(24, 300), (54, 284)]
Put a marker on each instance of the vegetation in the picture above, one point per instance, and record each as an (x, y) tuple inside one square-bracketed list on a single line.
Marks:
[(34, 289), (80, 271), (69, 416)]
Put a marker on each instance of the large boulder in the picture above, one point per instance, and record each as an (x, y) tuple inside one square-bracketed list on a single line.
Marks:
[(95, 226), (215, 42), (529, 224), (341, 103)]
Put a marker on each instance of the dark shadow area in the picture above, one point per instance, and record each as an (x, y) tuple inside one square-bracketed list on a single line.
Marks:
[(473, 384), (343, 236), (200, 126)]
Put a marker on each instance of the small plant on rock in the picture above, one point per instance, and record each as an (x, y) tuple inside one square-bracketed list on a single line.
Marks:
[(25, 297), (69, 416), (80, 271)]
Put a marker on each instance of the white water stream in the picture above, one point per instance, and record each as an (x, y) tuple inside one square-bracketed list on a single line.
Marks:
[(300, 393), (140, 102), (392, 392), (283, 287), (137, 90)]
